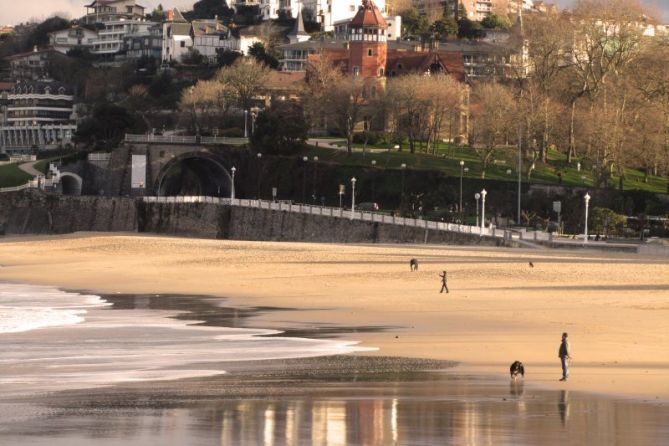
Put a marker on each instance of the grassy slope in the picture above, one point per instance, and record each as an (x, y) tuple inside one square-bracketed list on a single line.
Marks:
[(11, 175), (448, 158)]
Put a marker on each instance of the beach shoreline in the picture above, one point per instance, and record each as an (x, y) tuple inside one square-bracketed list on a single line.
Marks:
[(498, 310)]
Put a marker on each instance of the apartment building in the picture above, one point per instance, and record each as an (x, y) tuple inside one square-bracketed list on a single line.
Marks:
[(37, 114), (102, 11)]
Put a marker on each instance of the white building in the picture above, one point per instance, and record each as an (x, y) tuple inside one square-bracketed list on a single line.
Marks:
[(270, 8), (329, 12), (38, 114), (66, 39), (177, 40), (110, 38), (206, 37), (101, 11), (393, 32)]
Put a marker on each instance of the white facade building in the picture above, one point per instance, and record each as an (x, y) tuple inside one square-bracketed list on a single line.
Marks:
[(329, 12), (38, 115), (110, 38), (66, 39), (101, 11)]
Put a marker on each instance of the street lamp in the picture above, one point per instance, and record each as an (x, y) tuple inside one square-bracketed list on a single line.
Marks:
[(304, 179), (462, 168), (586, 198), (246, 127), (232, 189), (353, 180), (477, 196), (314, 195), (403, 166), (259, 155), (373, 180), (483, 194), (342, 191)]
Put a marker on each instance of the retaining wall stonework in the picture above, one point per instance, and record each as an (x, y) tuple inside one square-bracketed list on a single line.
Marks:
[(37, 213)]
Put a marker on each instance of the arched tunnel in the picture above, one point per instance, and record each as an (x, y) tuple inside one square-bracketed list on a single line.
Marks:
[(194, 175), (70, 184)]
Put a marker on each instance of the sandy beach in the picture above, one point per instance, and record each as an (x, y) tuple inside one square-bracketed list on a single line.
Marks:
[(614, 306)]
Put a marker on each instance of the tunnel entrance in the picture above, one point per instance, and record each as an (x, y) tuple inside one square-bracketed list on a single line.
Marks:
[(70, 184), (194, 176)]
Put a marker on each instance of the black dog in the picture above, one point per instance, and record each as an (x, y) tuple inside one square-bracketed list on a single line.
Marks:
[(516, 369), (413, 264)]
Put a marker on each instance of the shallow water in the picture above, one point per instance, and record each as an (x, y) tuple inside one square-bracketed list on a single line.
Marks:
[(53, 340), (333, 400)]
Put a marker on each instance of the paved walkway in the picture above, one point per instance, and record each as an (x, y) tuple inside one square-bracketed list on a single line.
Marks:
[(340, 144), (29, 168)]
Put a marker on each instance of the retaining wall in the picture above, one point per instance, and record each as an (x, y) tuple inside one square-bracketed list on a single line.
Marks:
[(34, 212)]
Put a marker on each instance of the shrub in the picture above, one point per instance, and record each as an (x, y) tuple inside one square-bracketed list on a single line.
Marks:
[(371, 137), (233, 132)]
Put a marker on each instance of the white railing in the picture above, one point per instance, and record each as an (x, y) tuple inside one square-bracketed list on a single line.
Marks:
[(171, 139), (37, 183), (339, 213), (99, 156)]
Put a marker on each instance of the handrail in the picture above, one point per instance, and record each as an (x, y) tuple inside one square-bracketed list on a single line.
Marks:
[(184, 139), (336, 212)]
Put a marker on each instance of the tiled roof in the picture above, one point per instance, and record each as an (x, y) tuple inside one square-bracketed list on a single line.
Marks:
[(404, 62), (369, 15), (284, 80)]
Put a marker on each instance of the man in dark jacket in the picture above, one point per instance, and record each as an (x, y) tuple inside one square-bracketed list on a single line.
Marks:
[(564, 355)]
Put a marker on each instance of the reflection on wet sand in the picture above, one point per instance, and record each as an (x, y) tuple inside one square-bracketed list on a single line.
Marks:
[(273, 408)]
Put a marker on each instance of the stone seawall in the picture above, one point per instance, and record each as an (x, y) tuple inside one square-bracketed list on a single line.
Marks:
[(37, 213)]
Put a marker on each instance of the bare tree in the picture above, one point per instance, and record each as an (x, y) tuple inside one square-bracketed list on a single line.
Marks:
[(493, 114), (605, 38), (246, 78)]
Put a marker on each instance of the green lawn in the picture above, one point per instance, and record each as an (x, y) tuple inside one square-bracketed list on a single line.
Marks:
[(11, 175), (448, 159)]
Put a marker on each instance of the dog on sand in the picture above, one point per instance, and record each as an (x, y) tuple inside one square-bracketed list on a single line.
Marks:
[(516, 369)]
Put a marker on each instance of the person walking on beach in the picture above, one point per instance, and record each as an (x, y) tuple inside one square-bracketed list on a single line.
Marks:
[(444, 282), (564, 355)]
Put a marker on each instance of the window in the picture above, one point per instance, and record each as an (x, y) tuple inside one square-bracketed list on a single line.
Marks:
[(356, 71), (183, 44), (370, 52), (399, 66), (380, 72)]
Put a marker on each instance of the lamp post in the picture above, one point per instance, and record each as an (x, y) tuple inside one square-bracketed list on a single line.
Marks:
[(304, 179), (586, 198), (462, 168), (520, 168), (353, 180), (246, 127), (373, 180), (483, 194), (232, 188), (342, 191), (314, 194), (259, 156), (476, 197), (403, 166)]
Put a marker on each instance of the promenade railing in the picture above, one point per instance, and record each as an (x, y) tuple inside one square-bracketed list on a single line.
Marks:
[(336, 212), (177, 139)]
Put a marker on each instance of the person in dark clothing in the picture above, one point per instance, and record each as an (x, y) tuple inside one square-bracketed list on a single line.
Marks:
[(565, 356), (444, 282)]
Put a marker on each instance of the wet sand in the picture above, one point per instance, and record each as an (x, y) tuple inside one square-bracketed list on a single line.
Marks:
[(614, 306), (330, 401)]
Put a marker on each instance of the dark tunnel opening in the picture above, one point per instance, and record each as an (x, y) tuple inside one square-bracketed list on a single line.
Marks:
[(195, 177)]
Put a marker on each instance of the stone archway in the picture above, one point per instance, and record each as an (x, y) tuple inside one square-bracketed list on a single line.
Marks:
[(70, 183), (194, 174)]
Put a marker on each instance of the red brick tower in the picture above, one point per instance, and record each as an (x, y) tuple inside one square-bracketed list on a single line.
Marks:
[(368, 42)]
